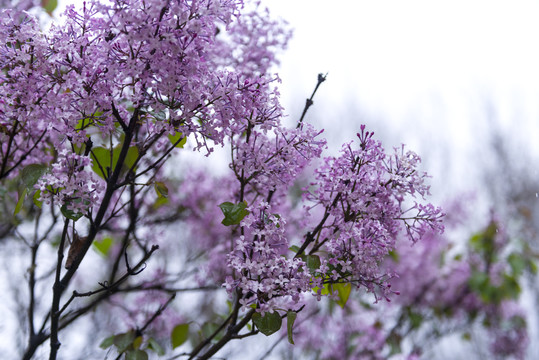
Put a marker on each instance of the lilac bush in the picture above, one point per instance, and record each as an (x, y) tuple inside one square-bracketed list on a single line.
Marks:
[(96, 115), (442, 292)]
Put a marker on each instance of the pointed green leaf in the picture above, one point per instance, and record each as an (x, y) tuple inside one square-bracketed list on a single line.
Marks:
[(294, 248), (517, 263), (49, 5), (207, 329), (103, 157), (394, 255), (22, 196), (36, 200), (179, 335), (510, 288), (161, 189), (290, 318), (234, 213), (532, 267), (269, 323), (124, 341), (160, 201), (70, 214), (137, 342), (102, 164), (31, 174), (178, 139), (312, 261), (478, 282), (325, 289), (103, 246), (343, 291), (108, 342), (154, 345), (136, 355), (130, 158)]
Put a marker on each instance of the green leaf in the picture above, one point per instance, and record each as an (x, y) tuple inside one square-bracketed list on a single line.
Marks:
[(49, 5), (178, 139), (103, 157), (102, 164), (161, 189), (70, 214), (22, 196), (532, 267), (154, 346), (137, 342), (108, 342), (290, 318), (160, 201), (207, 329), (124, 341), (269, 323), (104, 245), (478, 281), (312, 261), (234, 213), (343, 291), (325, 289), (179, 335), (130, 158), (36, 200), (394, 255), (294, 248), (510, 287), (31, 174), (136, 355), (517, 263)]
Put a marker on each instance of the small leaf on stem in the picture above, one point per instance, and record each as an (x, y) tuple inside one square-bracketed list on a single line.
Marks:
[(179, 335), (269, 323)]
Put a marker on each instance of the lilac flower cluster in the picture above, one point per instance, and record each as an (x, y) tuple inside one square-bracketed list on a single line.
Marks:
[(254, 39), (71, 183), (264, 277), (362, 193)]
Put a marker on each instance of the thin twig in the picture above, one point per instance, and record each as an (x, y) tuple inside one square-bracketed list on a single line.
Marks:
[(309, 102)]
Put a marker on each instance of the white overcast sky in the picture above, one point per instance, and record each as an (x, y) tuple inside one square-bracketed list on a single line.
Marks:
[(419, 72)]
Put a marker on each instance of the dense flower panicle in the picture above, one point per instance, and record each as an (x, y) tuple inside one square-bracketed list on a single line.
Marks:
[(404, 176), (271, 161), (24, 120), (362, 193), (253, 41), (70, 183), (263, 275)]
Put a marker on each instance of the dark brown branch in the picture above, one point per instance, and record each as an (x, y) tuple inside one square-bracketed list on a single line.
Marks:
[(57, 293), (231, 332)]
